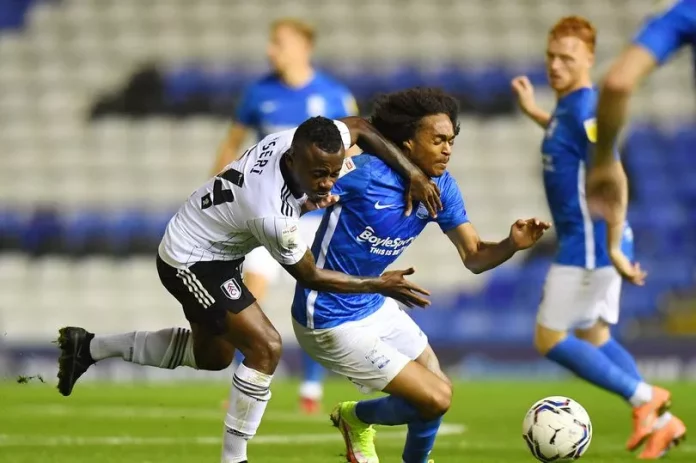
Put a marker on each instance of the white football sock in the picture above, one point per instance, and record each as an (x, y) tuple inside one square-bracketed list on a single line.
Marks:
[(643, 395), (662, 420), (311, 390), (249, 396), (168, 348)]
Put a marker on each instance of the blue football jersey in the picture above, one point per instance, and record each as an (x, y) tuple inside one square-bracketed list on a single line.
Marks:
[(364, 233), (270, 106), (566, 150), (669, 29)]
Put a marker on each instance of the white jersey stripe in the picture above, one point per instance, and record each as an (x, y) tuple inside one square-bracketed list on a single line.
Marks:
[(321, 260), (590, 253)]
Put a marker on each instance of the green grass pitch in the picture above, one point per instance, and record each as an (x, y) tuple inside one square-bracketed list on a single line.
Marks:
[(181, 423)]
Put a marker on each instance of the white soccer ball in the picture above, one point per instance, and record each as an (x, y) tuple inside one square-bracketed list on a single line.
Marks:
[(557, 429)]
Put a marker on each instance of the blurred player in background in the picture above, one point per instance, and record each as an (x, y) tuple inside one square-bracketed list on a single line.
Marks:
[(256, 201), (670, 28), (293, 92), (370, 340), (582, 290)]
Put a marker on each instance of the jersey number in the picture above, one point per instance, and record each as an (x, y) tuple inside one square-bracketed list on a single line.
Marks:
[(220, 195)]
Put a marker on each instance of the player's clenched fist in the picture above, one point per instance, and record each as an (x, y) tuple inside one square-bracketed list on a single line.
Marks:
[(524, 90), (524, 233), (394, 285)]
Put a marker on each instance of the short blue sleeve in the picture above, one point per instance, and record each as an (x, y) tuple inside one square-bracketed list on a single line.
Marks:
[(453, 212), (662, 35), (355, 180), (247, 110)]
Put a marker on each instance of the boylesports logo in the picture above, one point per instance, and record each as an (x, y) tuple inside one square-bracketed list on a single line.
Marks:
[(383, 246)]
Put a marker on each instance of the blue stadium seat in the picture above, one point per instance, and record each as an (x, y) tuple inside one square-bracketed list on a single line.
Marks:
[(43, 232), (12, 226), (85, 232), (489, 82), (126, 231), (644, 137), (227, 83), (13, 14), (183, 83), (450, 77)]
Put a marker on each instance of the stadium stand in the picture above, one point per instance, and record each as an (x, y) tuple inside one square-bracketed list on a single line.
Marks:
[(111, 113)]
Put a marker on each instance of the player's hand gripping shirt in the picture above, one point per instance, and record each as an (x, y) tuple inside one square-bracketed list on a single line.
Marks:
[(364, 233), (565, 154), (249, 204)]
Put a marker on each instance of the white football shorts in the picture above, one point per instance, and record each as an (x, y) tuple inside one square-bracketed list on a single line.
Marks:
[(575, 297), (260, 262), (369, 352)]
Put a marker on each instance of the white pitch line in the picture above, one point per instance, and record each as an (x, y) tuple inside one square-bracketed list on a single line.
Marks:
[(154, 413), (270, 439)]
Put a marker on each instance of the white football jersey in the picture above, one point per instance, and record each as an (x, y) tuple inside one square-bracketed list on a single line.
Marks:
[(246, 206)]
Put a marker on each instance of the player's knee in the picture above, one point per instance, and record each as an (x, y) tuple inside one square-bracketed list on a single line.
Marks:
[(264, 353), (546, 339), (439, 401), (597, 335)]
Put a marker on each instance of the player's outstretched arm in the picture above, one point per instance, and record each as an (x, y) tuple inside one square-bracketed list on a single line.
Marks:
[(421, 188), (480, 256), (524, 90), (230, 146), (627, 72), (391, 284)]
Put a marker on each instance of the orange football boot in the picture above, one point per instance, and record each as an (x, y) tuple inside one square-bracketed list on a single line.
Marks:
[(663, 439), (644, 417)]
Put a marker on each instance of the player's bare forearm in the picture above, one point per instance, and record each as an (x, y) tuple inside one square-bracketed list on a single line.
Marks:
[(634, 64), (538, 115), (308, 275), (489, 255), (336, 282), (369, 139), (611, 116), (614, 236)]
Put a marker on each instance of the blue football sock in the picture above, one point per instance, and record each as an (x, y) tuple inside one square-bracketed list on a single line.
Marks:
[(238, 357), (313, 372), (621, 358), (389, 411), (420, 440), (590, 363)]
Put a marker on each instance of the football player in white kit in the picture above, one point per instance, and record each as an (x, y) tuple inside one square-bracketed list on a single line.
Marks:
[(256, 201), (291, 92)]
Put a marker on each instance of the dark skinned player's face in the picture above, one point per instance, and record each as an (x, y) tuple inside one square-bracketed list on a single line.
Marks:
[(316, 171), (431, 147)]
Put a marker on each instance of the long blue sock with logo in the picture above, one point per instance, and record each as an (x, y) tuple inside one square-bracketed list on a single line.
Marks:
[(590, 363), (621, 358), (420, 440), (388, 411)]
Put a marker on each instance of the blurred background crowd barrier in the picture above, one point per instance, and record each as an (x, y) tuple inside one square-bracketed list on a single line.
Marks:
[(111, 112)]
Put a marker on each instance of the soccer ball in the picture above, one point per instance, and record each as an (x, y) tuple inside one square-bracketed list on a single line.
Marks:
[(557, 429)]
